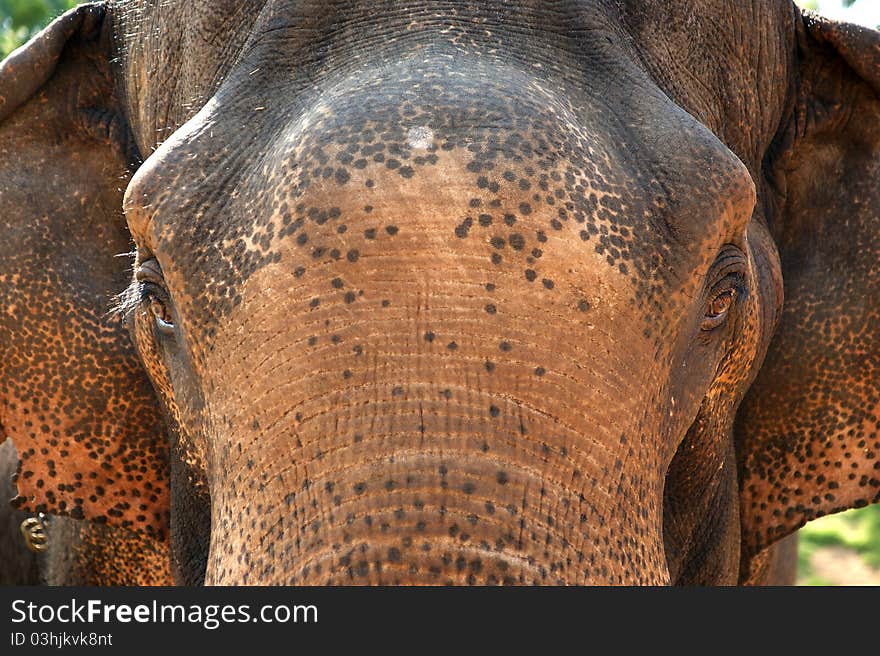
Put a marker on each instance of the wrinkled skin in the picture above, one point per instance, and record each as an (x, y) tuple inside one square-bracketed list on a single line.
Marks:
[(73, 397), (477, 293)]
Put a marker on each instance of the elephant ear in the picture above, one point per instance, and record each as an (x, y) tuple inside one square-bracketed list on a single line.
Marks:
[(807, 432), (73, 397)]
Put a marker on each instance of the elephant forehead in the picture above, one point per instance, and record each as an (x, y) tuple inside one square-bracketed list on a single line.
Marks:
[(493, 163)]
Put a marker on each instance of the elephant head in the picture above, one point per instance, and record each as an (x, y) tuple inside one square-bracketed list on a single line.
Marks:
[(477, 292), (74, 398)]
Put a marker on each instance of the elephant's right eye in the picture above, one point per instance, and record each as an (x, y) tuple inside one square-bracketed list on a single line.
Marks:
[(164, 322), (154, 296)]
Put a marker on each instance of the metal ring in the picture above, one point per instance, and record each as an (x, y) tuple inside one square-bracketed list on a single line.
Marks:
[(33, 530)]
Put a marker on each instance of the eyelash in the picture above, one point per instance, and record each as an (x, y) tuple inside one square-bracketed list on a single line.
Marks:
[(129, 300), (146, 289), (138, 293)]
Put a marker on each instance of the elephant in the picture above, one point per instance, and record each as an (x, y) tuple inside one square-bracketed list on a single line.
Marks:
[(430, 292), (74, 398)]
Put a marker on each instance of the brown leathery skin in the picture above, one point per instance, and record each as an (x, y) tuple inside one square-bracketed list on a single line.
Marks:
[(73, 395), (163, 90), (404, 424), (776, 565)]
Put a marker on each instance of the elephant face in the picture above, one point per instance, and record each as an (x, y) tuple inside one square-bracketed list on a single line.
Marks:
[(475, 294)]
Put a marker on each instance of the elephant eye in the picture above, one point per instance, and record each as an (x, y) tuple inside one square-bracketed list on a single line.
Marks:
[(164, 322), (729, 276), (152, 294), (718, 308), (721, 303)]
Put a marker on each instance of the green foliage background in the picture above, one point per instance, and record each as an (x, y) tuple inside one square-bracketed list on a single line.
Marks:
[(21, 19), (857, 531), (814, 4)]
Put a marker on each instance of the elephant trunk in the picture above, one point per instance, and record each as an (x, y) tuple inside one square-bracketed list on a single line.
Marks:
[(408, 443)]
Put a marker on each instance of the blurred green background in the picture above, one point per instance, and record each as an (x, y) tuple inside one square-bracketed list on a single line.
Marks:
[(21, 19), (843, 549)]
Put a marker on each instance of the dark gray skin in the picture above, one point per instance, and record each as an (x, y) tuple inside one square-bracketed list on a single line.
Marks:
[(487, 293)]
